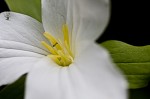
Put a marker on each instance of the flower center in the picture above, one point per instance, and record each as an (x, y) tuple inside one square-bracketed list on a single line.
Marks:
[(60, 51)]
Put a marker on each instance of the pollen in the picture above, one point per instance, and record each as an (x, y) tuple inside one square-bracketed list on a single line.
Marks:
[(59, 51)]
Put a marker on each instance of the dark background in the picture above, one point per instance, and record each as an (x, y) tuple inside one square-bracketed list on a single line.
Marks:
[(129, 23)]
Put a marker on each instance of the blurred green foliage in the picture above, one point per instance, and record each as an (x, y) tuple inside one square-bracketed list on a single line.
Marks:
[(28, 7), (134, 61)]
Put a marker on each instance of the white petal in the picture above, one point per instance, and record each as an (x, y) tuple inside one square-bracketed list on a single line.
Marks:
[(43, 81), (91, 76), (12, 68), (90, 18), (54, 16), (96, 71), (21, 28), (7, 53), (20, 47), (87, 19)]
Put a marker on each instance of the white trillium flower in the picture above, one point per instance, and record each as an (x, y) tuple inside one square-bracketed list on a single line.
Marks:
[(60, 55)]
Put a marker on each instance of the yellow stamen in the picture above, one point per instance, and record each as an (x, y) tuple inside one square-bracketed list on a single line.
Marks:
[(49, 47), (60, 50), (52, 40), (68, 48), (65, 32), (66, 38), (55, 58)]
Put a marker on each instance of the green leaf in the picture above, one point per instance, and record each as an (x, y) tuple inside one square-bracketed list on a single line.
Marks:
[(28, 7), (14, 91), (134, 61)]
